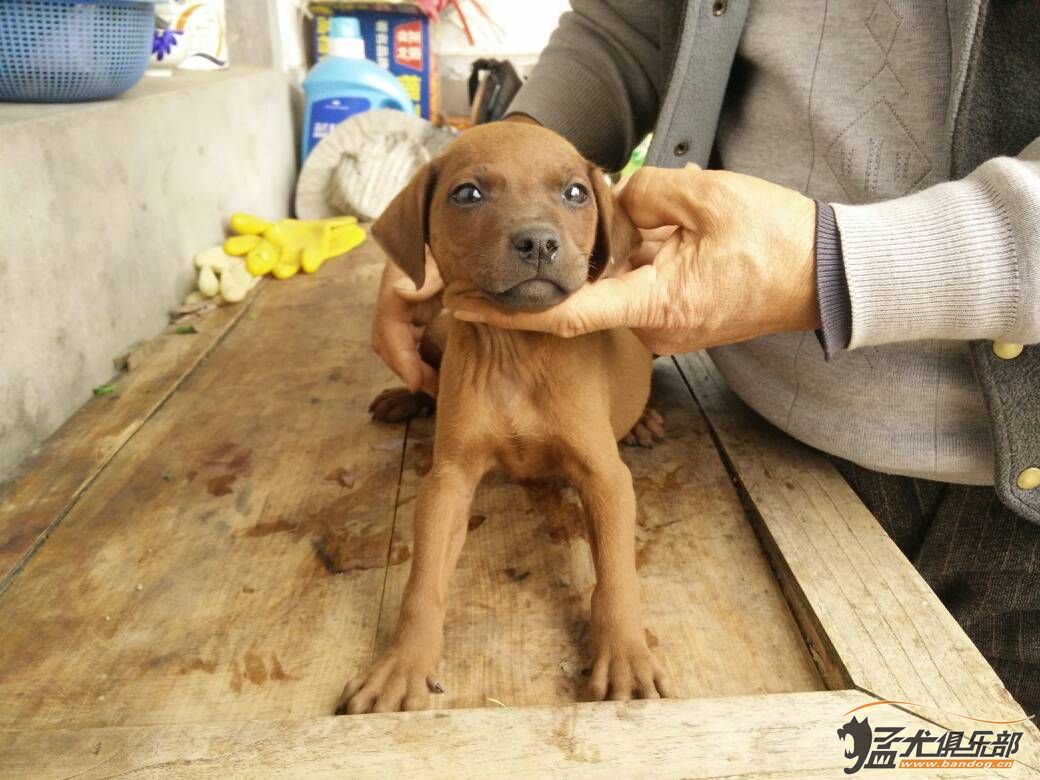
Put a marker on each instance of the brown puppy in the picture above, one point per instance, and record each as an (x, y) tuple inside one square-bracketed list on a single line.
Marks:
[(512, 213)]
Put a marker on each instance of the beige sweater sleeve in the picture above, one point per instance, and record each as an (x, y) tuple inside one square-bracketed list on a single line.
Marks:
[(600, 80), (959, 260)]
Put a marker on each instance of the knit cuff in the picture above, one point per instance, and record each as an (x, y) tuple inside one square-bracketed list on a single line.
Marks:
[(938, 264), (832, 292)]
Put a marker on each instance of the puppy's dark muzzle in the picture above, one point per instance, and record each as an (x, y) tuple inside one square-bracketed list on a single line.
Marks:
[(536, 269), (534, 293), (536, 245)]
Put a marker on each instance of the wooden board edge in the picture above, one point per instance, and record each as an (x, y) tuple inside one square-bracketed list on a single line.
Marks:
[(779, 735), (951, 721), (813, 615), (832, 669)]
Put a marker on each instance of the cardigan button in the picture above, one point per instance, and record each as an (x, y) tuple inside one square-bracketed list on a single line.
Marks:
[(1006, 350), (681, 148), (719, 7), (1029, 479)]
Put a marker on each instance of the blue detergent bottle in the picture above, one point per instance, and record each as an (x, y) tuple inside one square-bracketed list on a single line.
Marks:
[(344, 83)]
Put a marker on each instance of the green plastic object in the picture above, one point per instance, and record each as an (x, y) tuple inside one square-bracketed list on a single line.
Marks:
[(638, 158)]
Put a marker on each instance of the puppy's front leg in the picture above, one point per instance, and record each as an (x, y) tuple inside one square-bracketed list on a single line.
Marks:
[(403, 676), (622, 665)]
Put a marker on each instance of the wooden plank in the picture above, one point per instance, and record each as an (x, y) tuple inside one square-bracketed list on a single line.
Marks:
[(227, 564), (877, 621), (47, 484), (789, 736), (517, 623)]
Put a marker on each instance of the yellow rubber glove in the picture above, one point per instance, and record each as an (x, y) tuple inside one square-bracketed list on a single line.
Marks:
[(283, 248)]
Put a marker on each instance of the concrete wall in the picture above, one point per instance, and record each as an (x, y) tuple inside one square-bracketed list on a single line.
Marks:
[(104, 206), (253, 37)]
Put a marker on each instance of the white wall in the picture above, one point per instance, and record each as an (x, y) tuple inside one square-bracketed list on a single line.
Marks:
[(523, 28)]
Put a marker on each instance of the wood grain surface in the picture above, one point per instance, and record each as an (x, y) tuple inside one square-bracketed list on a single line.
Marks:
[(36, 498), (877, 624), (784, 736), (227, 563), (191, 572)]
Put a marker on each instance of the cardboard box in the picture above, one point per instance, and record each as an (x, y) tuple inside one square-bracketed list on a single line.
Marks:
[(398, 36)]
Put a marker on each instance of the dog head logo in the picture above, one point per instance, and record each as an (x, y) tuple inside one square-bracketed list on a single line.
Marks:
[(858, 738)]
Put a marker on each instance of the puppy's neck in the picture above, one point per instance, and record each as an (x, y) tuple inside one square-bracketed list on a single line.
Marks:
[(507, 349)]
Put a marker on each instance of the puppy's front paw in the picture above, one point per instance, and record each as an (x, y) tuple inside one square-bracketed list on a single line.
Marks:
[(623, 670), (400, 680), (647, 432), (400, 404)]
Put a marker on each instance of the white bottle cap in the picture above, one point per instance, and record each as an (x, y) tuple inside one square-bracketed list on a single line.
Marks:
[(345, 38)]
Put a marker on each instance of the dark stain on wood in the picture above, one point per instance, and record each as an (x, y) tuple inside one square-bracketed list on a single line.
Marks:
[(666, 482), (422, 457), (281, 525), (277, 672), (475, 521), (516, 576), (651, 638), (159, 660), (230, 455), (399, 554), (342, 534), (564, 517), (236, 677), (198, 665), (342, 552), (255, 671), (342, 477), (237, 461), (221, 485)]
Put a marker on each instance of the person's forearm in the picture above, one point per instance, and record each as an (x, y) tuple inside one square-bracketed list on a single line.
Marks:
[(591, 83), (959, 261)]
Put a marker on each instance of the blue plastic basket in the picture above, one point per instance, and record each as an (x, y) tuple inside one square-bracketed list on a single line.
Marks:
[(63, 51)]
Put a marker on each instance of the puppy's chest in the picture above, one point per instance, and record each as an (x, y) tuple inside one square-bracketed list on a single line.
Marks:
[(524, 433), (528, 456)]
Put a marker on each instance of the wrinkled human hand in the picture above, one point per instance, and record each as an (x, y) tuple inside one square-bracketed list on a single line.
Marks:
[(739, 264), (402, 314)]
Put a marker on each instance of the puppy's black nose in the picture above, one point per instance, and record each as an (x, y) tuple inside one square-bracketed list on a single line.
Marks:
[(536, 244)]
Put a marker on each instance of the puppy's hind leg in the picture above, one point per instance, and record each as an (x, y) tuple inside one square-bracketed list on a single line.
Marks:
[(647, 432), (399, 404)]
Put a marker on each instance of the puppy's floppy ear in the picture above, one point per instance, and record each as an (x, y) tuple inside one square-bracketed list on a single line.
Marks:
[(403, 229), (616, 236)]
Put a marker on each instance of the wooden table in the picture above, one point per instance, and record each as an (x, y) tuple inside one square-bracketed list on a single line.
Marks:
[(191, 568)]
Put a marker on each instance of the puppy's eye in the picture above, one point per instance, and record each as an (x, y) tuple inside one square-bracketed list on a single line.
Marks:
[(467, 195), (576, 194)]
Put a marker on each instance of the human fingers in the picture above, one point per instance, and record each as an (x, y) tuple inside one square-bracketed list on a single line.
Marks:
[(433, 284), (608, 303), (657, 198)]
